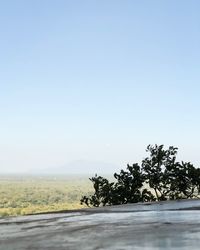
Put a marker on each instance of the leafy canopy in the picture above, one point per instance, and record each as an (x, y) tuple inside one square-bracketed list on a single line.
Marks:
[(159, 177)]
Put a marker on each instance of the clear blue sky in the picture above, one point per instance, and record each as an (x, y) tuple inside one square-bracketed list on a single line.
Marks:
[(97, 80)]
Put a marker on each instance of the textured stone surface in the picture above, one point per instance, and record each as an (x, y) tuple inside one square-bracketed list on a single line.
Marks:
[(164, 225)]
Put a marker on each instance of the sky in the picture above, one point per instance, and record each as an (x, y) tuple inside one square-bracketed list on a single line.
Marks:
[(97, 81)]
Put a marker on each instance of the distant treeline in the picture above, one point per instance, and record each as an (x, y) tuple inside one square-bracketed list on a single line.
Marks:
[(28, 195)]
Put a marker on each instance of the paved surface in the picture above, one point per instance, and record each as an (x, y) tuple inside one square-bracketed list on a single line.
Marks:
[(165, 225)]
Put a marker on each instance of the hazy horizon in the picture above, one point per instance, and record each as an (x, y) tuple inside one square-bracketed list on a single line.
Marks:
[(97, 81)]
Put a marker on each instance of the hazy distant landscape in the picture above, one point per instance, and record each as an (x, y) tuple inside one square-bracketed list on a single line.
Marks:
[(20, 195), (96, 99)]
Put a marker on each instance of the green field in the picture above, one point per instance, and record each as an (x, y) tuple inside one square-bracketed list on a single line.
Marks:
[(20, 195)]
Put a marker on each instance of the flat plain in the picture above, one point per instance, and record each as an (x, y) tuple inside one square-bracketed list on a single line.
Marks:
[(21, 195)]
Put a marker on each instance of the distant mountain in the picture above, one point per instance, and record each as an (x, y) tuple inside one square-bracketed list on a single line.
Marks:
[(82, 167)]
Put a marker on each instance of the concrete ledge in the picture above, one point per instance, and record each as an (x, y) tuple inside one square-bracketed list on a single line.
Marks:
[(160, 225)]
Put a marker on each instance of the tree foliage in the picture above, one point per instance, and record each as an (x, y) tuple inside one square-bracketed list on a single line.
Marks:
[(159, 177)]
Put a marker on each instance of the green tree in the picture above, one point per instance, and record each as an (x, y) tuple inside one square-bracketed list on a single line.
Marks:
[(160, 177), (156, 168)]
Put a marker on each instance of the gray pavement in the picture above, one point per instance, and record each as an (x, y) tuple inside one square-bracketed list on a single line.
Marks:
[(163, 225)]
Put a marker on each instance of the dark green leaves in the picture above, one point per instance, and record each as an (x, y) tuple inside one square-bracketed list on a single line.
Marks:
[(160, 177)]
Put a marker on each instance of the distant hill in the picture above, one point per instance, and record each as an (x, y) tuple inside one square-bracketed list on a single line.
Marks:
[(81, 167)]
